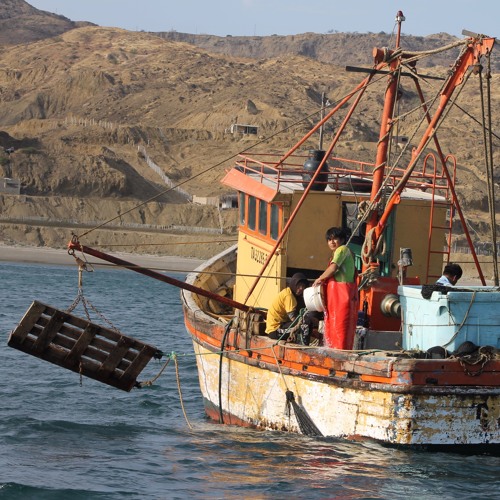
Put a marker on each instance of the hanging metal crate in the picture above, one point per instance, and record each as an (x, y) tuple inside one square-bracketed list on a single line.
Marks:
[(81, 346)]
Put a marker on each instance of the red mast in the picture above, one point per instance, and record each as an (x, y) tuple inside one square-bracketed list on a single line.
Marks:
[(380, 56), (478, 45)]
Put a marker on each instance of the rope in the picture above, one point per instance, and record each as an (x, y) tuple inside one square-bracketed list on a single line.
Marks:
[(180, 391), (480, 357), (221, 356), (367, 250), (368, 278), (463, 321), (414, 56), (488, 159), (295, 326), (150, 382), (292, 328)]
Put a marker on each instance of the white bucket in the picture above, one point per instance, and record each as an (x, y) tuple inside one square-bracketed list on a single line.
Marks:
[(313, 299)]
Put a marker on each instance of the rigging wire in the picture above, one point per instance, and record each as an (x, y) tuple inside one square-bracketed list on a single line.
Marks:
[(371, 206), (196, 242), (490, 143), (228, 158), (375, 204), (463, 110), (411, 56), (488, 158), (227, 329)]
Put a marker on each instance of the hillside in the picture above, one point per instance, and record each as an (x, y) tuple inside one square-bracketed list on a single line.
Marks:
[(21, 23), (331, 48), (81, 106)]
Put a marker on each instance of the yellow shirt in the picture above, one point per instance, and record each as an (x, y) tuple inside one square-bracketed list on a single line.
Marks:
[(284, 303)]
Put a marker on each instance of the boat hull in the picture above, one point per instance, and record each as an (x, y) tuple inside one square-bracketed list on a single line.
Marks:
[(254, 396), (379, 396)]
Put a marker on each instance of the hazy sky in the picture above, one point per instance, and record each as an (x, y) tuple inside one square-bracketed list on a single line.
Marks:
[(283, 17)]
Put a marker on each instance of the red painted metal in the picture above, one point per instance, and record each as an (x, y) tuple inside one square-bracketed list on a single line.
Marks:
[(242, 182), (451, 185), (475, 49)]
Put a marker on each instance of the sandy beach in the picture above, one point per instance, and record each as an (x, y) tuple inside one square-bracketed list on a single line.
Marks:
[(44, 255)]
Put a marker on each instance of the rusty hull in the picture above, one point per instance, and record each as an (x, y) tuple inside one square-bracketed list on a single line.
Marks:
[(347, 395)]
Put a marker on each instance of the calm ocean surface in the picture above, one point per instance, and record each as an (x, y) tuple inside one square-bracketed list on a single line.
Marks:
[(60, 440)]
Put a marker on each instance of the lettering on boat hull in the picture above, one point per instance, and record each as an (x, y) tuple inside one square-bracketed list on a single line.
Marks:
[(258, 255), (488, 414)]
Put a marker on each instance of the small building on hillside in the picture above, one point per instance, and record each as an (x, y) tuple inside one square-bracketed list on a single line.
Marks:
[(400, 141), (10, 186), (237, 128), (222, 202)]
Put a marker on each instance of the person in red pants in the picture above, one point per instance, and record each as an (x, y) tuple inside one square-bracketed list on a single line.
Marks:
[(339, 282)]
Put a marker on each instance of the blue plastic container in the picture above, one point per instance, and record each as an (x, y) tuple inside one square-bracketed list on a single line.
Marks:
[(450, 319)]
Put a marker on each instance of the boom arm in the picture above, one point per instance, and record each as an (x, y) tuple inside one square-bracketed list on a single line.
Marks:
[(75, 245)]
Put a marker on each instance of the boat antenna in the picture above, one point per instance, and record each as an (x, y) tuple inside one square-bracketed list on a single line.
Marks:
[(322, 115), (399, 20)]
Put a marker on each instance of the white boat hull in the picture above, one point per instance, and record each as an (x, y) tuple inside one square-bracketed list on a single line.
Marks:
[(256, 397)]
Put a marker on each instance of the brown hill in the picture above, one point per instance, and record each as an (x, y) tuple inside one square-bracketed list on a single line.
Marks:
[(21, 23), (332, 48), (77, 107)]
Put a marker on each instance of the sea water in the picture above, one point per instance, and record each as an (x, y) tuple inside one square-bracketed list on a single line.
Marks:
[(62, 437)]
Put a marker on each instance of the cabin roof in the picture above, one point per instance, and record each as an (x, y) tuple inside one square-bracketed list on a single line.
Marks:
[(266, 175), (266, 187)]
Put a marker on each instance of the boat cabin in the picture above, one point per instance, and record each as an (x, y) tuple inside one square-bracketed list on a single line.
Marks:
[(269, 196)]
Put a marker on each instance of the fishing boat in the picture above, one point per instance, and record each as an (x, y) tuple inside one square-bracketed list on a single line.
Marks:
[(417, 365), (404, 380)]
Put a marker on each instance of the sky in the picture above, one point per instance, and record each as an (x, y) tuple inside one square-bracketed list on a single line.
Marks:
[(283, 17)]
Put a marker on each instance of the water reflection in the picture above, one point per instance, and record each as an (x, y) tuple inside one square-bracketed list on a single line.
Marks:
[(274, 465)]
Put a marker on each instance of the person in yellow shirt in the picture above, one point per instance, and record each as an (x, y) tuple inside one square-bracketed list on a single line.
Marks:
[(285, 308)]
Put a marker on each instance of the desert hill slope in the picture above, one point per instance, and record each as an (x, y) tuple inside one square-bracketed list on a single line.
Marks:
[(332, 48), (21, 23), (85, 108)]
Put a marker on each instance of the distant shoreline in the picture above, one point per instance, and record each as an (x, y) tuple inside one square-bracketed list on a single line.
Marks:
[(45, 255)]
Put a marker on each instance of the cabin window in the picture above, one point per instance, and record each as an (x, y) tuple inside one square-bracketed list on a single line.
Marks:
[(350, 220), (259, 215), (242, 209), (275, 221), (252, 212), (262, 217)]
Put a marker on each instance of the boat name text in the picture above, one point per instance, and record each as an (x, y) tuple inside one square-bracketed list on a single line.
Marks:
[(258, 255)]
